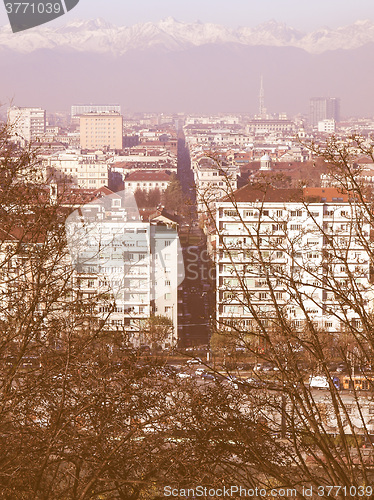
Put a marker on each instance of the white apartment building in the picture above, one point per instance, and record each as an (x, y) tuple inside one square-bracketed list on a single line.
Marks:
[(295, 247), (146, 181), (132, 264), (327, 126), (26, 124), (90, 171), (212, 181)]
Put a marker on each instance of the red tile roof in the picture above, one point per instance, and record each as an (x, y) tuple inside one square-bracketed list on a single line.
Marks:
[(327, 195), (265, 193), (253, 193), (147, 176)]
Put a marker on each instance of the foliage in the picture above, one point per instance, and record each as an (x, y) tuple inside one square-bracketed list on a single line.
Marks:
[(173, 198), (147, 199)]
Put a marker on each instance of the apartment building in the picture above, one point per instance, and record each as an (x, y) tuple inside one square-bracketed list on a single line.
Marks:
[(26, 124), (293, 247), (134, 265), (322, 108), (327, 126), (213, 180), (88, 171), (101, 131), (147, 181)]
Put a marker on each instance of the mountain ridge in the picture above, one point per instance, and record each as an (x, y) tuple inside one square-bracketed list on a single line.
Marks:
[(100, 36)]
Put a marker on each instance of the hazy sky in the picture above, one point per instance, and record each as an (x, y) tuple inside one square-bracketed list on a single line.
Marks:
[(302, 14)]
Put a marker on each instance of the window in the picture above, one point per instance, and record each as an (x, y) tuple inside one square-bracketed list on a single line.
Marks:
[(167, 283), (167, 296), (279, 213), (296, 213), (230, 213), (295, 227), (265, 213), (167, 243), (262, 295)]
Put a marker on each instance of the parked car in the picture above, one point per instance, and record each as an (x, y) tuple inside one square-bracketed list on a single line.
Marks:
[(199, 372), (318, 382), (254, 383), (195, 361), (268, 367)]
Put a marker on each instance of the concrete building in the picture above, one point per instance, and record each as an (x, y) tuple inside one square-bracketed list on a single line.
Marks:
[(213, 180), (26, 124), (327, 126), (101, 131), (82, 170), (280, 237), (146, 181), (324, 108), (134, 265)]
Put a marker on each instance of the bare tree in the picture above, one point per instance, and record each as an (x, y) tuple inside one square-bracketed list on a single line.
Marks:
[(295, 291)]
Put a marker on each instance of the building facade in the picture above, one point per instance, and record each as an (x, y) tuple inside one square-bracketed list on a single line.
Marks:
[(84, 171), (324, 108), (290, 250), (146, 181), (133, 266), (101, 131), (26, 124)]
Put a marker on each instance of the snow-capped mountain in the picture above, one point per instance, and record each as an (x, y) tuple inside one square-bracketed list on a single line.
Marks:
[(98, 36)]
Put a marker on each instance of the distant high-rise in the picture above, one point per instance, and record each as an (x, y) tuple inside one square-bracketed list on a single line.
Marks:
[(324, 108), (101, 131), (26, 124)]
